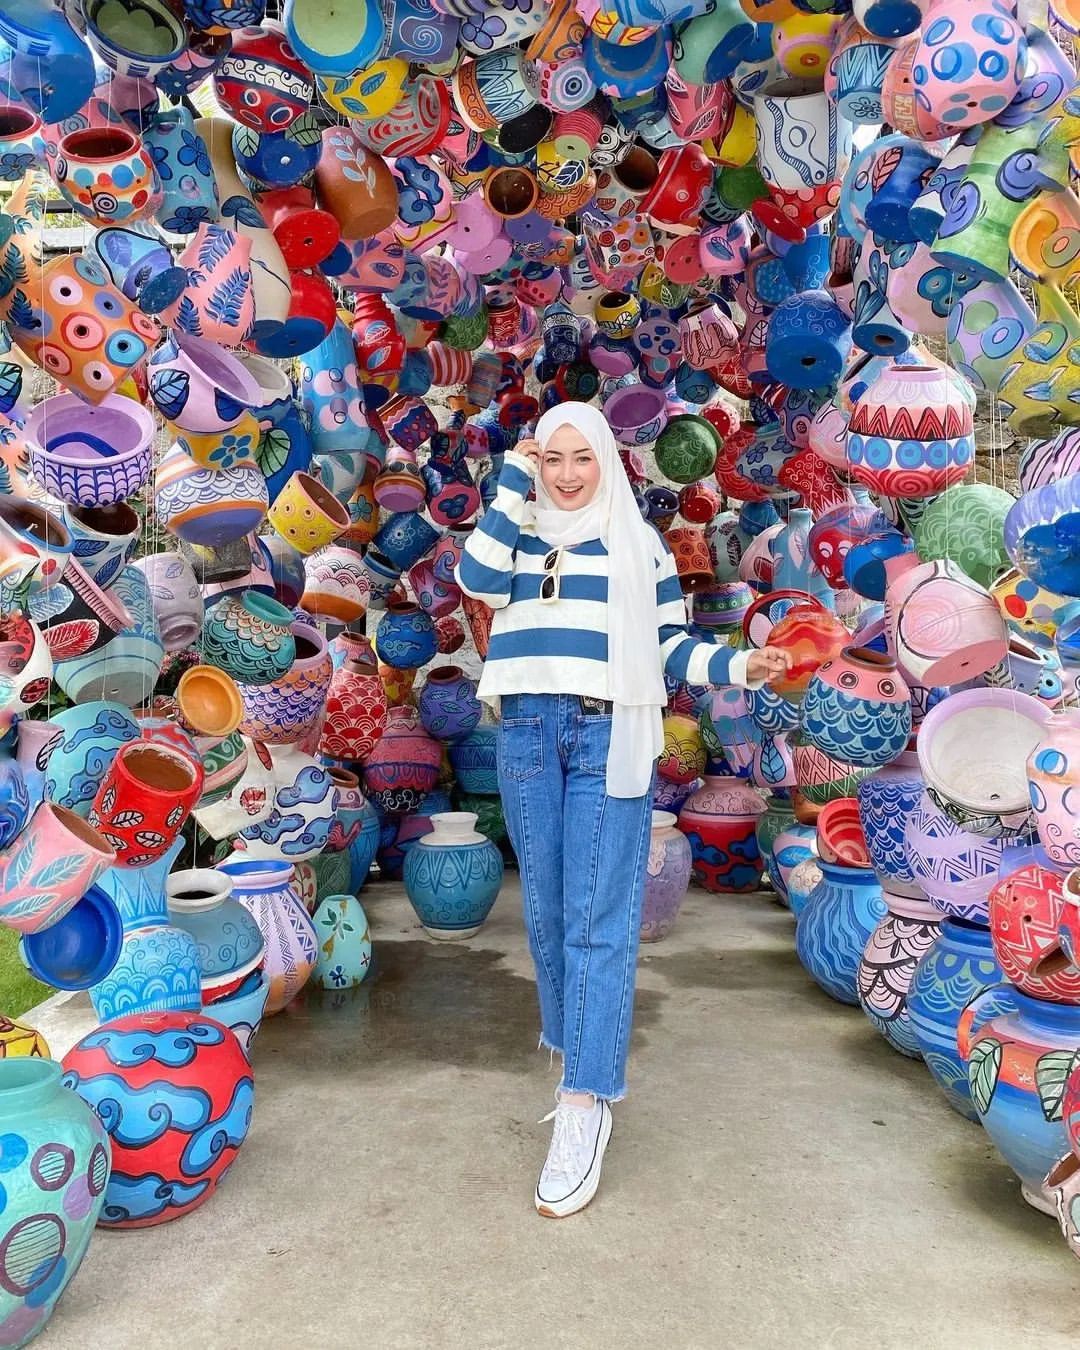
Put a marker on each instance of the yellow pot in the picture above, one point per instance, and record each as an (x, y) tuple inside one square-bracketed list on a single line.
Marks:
[(803, 44), (366, 93), (223, 449), (18, 1041), (307, 515)]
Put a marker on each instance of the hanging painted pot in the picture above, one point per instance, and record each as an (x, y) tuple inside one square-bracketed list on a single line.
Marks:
[(249, 636), (356, 708), (124, 663), (945, 628), (140, 265), (218, 302), (90, 456), (286, 709), (208, 506), (326, 43), (968, 65), (145, 796), (261, 82), (136, 39), (48, 868), (966, 524), (189, 189), (801, 140), (107, 175), (955, 869), (302, 813), (198, 386)]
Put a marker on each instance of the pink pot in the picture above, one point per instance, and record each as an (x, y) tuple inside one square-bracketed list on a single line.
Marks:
[(49, 867), (944, 628), (355, 712), (1053, 772)]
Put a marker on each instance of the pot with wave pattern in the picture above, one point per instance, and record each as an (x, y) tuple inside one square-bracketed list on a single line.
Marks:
[(888, 964), (286, 709), (834, 928), (452, 876), (305, 805), (858, 709), (720, 821)]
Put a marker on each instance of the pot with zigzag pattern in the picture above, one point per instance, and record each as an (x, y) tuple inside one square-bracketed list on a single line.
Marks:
[(834, 928), (452, 876)]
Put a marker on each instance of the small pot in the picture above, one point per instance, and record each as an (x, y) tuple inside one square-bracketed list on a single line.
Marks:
[(200, 387), (307, 515), (107, 175), (90, 456), (209, 701)]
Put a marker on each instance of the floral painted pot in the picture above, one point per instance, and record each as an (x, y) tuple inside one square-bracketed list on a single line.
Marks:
[(720, 820), (344, 938), (302, 813), (452, 877), (836, 925), (103, 538), (857, 708), (889, 961), (48, 868), (189, 190), (286, 709), (200, 387), (404, 764), (218, 301), (474, 760), (958, 968), (1017, 1065), (972, 748), (58, 1164), (90, 456), (448, 707), (229, 941), (212, 1073), (266, 890), (667, 876), (249, 637)]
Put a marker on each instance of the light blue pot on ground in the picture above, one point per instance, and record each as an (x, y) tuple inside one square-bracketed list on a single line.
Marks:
[(452, 877), (344, 938)]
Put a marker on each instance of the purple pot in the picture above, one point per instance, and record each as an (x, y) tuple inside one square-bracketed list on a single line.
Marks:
[(199, 386), (667, 876), (636, 414), (448, 706), (90, 454), (956, 870)]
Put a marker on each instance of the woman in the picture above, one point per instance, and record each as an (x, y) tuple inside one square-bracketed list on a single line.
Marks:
[(589, 618)]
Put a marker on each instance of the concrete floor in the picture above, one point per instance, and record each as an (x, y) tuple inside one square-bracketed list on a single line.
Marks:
[(777, 1177)]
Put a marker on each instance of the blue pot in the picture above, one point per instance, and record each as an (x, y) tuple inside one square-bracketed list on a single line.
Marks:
[(14, 801), (81, 949), (452, 886), (404, 538), (344, 943), (55, 1169), (834, 928), (886, 800), (242, 1011), (229, 941), (475, 762), (856, 727), (183, 166), (809, 341), (126, 668), (363, 848), (960, 965), (277, 158), (91, 734), (448, 707), (405, 638), (625, 72)]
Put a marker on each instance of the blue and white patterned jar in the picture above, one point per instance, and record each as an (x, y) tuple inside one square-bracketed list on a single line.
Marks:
[(887, 799), (452, 876), (405, 638), (857, 708), (834, 928)]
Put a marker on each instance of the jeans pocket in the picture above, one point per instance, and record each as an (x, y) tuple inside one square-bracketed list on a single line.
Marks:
[(592, 740), (521, 748)]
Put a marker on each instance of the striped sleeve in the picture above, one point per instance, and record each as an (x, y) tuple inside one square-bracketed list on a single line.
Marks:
[(486, 569), (684, 657)]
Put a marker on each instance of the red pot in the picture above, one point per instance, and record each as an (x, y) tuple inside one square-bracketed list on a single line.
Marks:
[(356, 707), (146, 795), (720, 821)]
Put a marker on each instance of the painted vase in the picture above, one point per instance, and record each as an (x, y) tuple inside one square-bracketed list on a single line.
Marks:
[(163, 1170), (90, 456), (286, 709), (404, 764), (1018, 1062), (667, 876), (474, 760), (107, 175), (1032, 928), (452, 876), (57, 1165), (229, 941), (177, 601), (887, 798), (189, 190), (448, 707), (218, 302), (302, 813), (720, 821), (266, 890), (158, 966), (858, 708), (836, 925), (895, 947), (356, 707), (956, 870), (344, 939), (250, 637)]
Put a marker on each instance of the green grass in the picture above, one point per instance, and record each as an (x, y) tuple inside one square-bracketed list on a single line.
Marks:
[(18, 988)]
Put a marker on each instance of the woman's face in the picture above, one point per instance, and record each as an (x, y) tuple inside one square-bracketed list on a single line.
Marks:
[(569, 469)]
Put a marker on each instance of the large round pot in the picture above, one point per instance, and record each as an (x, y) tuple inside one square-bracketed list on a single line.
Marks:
[(452, 876), (168, 1165), (892, 953), (448, 706), (835, 926), (208, 507), (356, 707), (56, 1167), (957, 967), (404, 764), (720, 821), (229, 940), (1017, 1066), (886, 799), (405, 638), (303, 810), (857, 708), (90, 455), (474, 760), (249, 637), (266, 890), (667, 876), (286, 709)]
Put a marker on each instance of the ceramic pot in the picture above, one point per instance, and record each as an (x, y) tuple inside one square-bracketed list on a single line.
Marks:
[(1028, 909), (892, 954), (836, 925), (452, 876), (242, 1010), (1017, 1064), (887, 799), (302, 812), (448, 706), (494, 88), (667, 875), (83, 742), (306, 515), (103, 538), (956, 870), (90, 456), (249, 637), (953, 87), (49, 866), (474, 760), (285, 710), (324, 44), (15, 805), (1037, 534), (686, 448), (943, 627), (229, 941), (720, 820), (55, 1139), (966, 525), (341, 928), (218, 301), (802, 142), (177, 601), (857, 708), (791, 847), (355, 711), (265, 889), (145, 796), (124, 664), (404, 764), (107, 175), (406, 636), (355, 185), (1052, 772), (200, 387), (972, 748), (214, 1072), (189, 189)]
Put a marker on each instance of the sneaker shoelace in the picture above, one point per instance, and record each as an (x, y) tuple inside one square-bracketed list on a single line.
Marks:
[(568, 1140)]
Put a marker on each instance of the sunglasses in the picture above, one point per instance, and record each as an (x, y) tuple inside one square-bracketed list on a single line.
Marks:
[(549, 586)]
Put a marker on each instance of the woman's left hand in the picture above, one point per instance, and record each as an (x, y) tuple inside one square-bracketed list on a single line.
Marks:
[(769, 664)]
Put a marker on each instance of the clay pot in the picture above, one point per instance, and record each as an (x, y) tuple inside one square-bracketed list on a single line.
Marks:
[(719, 820), (887, 968), (146, 795), (355, 185), (107, 175), (857, 708)]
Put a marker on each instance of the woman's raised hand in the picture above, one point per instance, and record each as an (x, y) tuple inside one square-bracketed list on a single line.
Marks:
[(768, 664), (530, 449)]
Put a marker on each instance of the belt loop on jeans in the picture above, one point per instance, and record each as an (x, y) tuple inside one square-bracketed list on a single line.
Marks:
[(594, 707)]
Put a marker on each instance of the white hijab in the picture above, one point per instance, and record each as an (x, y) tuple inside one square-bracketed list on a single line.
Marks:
[(636, 686)]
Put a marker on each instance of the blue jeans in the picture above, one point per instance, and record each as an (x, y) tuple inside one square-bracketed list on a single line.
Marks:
[(582, 856)]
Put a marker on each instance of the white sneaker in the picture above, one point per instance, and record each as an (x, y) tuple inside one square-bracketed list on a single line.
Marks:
[(572, 1171)]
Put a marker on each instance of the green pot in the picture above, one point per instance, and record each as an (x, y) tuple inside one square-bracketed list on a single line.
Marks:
[(967, 523), (686, 449)]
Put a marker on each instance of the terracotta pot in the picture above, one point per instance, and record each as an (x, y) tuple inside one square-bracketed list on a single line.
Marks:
[(287, 709), (719, 820), (355, 185), (857, 708), (209, 701), (107, 175), (887, 968), (356, 709), (218, 302)]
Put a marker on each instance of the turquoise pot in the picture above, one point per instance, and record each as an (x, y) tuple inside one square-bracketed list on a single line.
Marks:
[(54, 1164), (184, 168), (242, 1011), (249, 637), (158, 966), (341, 927), (834, 928), (126, 668), (363, 848), (91, 734), (229, 940), (452, 877), (475, 762)]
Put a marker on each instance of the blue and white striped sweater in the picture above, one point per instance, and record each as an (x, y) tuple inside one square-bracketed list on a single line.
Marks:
[(561, 648)]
